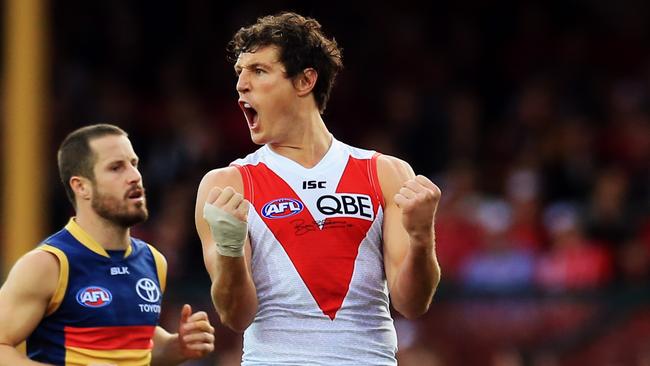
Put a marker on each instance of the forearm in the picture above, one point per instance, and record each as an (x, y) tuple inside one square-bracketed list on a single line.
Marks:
[(233, 293), (417, 279), (9, 356)]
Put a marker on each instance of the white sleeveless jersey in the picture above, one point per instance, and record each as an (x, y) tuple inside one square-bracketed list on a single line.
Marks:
[(317, 261)]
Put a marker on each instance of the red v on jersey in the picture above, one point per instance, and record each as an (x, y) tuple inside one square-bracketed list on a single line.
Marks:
[(323, 253)]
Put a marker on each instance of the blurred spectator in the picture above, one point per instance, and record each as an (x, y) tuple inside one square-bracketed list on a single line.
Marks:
[(608, 217), (633, 260), (498, 266), (458, 234), (568, 159), (573, 262), (522, 192)]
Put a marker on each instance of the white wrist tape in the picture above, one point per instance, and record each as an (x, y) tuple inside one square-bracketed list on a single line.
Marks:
[(228, 232)]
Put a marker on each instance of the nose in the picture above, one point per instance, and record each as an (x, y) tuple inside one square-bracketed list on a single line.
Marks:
[(243, 84), (134, 175)]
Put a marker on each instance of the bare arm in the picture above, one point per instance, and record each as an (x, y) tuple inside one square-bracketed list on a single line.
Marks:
[(412, 269), (233, 291), (195, 339), (24, 298)]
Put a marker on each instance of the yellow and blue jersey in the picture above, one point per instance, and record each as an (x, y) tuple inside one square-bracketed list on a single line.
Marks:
[(105, 308)]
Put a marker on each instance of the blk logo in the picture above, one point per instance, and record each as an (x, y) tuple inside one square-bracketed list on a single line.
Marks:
[(281, 207), (147, 290), (94, 297), (119, 271)]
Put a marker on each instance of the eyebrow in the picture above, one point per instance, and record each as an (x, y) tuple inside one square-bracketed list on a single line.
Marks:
[(112, 161), (266, 65)]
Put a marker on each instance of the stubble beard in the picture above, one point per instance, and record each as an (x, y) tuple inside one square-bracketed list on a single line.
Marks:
[(116, 211)]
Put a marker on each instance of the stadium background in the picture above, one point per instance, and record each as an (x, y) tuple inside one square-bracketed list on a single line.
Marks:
[(532, 116)]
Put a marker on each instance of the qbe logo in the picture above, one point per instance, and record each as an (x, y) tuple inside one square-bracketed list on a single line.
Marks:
[(94, 297), (346, 205), (281, 207)]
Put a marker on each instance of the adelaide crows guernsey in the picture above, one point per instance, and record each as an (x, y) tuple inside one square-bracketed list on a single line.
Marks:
[(317, 260), (105, 309)]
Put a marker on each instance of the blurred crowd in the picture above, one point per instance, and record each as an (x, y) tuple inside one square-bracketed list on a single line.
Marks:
[(532, 117)]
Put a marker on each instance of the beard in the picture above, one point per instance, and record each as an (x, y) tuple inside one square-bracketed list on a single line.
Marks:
[(118, 211)]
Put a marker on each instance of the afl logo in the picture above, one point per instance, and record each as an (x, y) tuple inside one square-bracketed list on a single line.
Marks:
[(147, 290), (281, 207), (94, 297)]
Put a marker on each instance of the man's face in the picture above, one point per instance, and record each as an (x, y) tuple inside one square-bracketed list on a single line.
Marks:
[(117, 191), (266, 95)]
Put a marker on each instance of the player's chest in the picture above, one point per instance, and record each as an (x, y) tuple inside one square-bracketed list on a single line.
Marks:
[(114, 292)]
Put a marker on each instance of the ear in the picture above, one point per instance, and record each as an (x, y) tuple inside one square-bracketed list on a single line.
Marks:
[(305, 81), (81, 187)]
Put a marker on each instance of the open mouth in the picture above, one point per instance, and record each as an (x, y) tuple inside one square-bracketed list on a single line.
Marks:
[(135, 194), (250, 113)]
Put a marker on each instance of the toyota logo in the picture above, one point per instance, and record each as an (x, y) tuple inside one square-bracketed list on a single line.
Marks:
[(147, 290)]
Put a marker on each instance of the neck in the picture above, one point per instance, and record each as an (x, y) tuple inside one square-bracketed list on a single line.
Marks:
[(307, 142), (109, 235)]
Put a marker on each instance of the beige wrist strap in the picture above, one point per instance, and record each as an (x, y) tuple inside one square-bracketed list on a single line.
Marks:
[(228, 232)]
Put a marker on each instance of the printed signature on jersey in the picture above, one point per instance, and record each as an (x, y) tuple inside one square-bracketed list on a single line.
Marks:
[(302, 227)]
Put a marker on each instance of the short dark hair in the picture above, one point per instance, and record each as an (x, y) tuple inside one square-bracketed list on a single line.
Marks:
[(301, 44), (76, 158)]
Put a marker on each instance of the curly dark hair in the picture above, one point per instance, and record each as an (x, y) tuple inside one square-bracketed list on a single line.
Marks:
[(301, 45)]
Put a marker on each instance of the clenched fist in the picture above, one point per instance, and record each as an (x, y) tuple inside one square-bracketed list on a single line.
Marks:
[(418, 198), (229, 201), (226, 212)]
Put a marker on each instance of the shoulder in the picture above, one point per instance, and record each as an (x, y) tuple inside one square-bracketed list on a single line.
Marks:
[(225, 173), (392, 173), (29, 291), (37, 269), (390, 166), (52, 260), (222, 177), (41, 259)]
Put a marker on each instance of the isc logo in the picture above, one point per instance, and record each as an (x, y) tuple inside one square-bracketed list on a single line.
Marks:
[(281, 207), (94, 297), (313, 184)]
